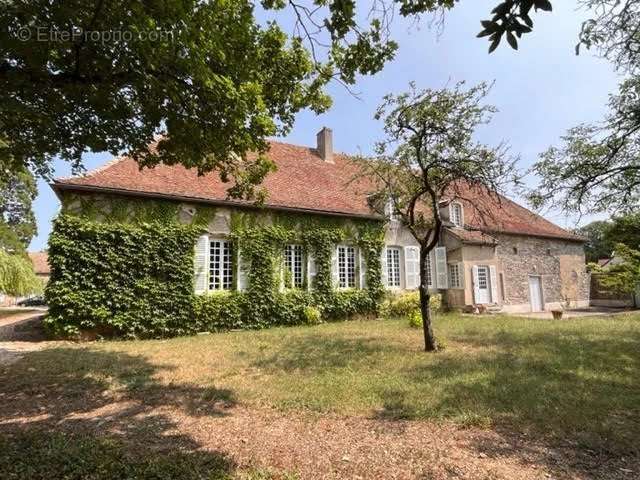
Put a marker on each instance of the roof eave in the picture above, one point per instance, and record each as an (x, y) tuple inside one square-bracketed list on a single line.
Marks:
[(568, 237), (60, 186)]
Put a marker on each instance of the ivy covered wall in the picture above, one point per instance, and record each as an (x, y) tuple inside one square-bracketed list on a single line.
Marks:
[(124, 266)]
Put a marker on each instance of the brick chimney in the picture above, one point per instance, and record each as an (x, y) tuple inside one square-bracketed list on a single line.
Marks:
[(324, 140)]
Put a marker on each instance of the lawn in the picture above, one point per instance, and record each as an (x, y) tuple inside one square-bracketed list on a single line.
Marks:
[(572, 381)]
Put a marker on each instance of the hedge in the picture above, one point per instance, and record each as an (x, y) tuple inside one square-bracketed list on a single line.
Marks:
[(136, 280), (119, 279)]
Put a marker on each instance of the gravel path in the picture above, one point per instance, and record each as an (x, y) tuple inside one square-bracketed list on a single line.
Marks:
[(11, 352), (21, 333)]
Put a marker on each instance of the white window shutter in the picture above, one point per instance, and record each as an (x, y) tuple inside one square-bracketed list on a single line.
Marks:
[(494, 284), (334, 268), (441, 268), (412, 267), (476, 292), (461, 276), (363, 269), (383, 263), (432, 269), (311, 270), (243, 280), (201, 261)]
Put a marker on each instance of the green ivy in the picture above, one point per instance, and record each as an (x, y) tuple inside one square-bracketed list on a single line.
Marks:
[(120, 279), (125, 267)]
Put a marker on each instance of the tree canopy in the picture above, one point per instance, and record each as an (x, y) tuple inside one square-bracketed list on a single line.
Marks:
[(598, 244), (203, 82), (596, 168), (17, 192), (430, 156)]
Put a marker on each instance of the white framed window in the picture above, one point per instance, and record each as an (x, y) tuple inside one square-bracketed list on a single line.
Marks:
[(455, 278), (429, 274), (220, 264), (393, 267), (293, 264), (457, 216), (390, 211), (346, 266)]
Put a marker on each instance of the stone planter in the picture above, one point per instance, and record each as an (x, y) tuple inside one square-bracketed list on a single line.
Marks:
[(557, 314)]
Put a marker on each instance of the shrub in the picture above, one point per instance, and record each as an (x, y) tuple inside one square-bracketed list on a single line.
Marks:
[(348, 303), (218, 311), (404, 304), (415, 319), (312, 315)]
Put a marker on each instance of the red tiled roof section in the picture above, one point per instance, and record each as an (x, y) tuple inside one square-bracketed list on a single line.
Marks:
[(303, 180), (40, 262), (493, 213), (472, 236)]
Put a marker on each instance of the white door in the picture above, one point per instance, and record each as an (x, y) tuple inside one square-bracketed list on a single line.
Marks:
[(535, 294), (483, 286)]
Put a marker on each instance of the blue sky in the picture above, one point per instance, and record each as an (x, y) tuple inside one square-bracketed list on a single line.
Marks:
[(540, 91)]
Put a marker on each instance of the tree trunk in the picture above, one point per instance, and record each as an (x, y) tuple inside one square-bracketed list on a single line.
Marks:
[(430, 344)]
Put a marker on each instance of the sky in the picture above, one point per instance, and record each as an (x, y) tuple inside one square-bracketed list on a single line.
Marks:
[(540, 91)]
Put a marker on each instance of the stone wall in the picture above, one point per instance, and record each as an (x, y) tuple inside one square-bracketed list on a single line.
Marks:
[(560, 264)]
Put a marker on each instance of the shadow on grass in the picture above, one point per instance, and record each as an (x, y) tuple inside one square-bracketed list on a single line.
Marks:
[(567, 385), (320, 353), (98, 417)]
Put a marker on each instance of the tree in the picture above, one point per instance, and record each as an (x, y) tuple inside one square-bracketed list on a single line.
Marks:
[(205, 80), (625, 230), (430, 156), (623, 277), (17, 192), (596, 167), (598, 243), (17, 277)]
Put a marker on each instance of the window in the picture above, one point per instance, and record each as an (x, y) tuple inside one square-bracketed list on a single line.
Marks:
[(483, 280), (393, 267), (456, 214), (429, 279), (346, 266), (515, 250), (220, 265), (389, 211), (293, 265), (454, 276)]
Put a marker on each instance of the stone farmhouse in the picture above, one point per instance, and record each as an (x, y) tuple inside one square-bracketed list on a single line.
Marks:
[(513, 261)]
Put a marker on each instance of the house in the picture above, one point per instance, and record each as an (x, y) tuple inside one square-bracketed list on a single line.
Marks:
[(40, 262), (513, 260)]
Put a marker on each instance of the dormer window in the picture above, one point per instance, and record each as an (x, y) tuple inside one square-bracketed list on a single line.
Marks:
[(456, 214), (390, 211)]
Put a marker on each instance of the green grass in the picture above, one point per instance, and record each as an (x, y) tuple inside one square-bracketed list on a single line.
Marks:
[(575, 379), (38, 456)]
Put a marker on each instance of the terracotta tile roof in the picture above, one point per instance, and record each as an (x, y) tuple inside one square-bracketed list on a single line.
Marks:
[(303, 181), (475, 237), (40, 262), (492, 213)]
